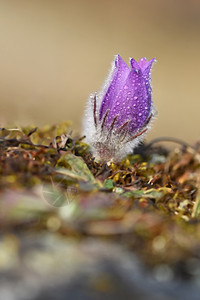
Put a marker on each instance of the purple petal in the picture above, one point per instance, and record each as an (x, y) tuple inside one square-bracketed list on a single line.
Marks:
[(146, 67), (132, 104), (134, 64), (119, 77), (142, 63), (147, 78), (148, 64)]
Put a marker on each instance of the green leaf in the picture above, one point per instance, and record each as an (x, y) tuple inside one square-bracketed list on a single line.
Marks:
[(196, 207), (108, 184), (79, 169), (151, 193), (69, 174)]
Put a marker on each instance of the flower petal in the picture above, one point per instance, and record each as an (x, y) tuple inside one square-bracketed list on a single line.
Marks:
[(142, 63), (119, 76), (134, 64), (132, 104), (147, 78), (148, 65)]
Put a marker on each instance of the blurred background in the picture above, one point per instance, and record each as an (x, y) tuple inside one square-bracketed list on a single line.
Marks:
[(53, 54)]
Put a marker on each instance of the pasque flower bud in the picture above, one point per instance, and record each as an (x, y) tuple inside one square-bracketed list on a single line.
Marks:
[(118, 117)]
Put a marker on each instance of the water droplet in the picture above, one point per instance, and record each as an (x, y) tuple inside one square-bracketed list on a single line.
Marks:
[(126, 87), (140, 114), (135, 97)]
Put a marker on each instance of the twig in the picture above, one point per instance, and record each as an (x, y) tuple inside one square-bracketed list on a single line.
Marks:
[(169, 139)]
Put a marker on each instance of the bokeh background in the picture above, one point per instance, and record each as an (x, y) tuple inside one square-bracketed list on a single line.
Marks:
[(53, 54)]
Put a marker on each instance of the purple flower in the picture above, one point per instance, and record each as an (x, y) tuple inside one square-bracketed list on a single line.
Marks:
[(118, 117)]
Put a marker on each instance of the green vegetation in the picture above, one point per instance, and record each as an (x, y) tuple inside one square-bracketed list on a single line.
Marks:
[(150, 202)]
